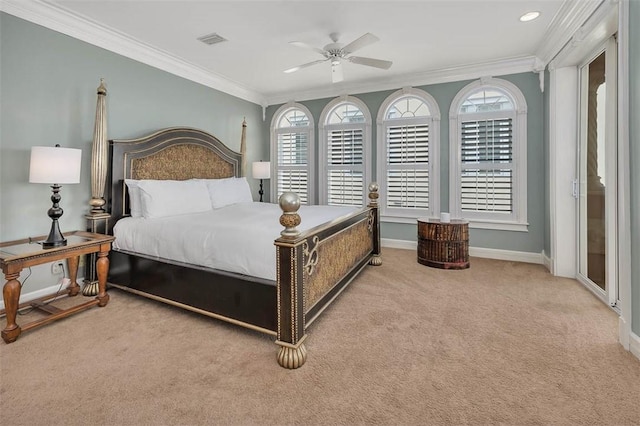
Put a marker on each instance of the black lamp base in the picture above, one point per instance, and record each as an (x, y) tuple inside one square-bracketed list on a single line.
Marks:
[(55, 238), (53, 244), (261, 192)]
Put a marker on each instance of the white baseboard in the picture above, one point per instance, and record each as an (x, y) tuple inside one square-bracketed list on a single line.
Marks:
[(39, 293), (488, 253), (399, 244), (547, 261), (511, 255), (634, 344)]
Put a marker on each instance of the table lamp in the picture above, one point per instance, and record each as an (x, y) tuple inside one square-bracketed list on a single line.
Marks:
[(55, 166), (261, 170)]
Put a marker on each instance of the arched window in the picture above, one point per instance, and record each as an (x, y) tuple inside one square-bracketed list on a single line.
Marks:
[(292, 152), (488, 131), (345, 140), (408, 155)]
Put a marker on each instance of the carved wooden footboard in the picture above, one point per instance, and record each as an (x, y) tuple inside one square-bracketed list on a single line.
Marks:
[(315, 266)]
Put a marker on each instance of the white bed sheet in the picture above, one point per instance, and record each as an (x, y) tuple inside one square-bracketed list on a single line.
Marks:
[(237, 238)]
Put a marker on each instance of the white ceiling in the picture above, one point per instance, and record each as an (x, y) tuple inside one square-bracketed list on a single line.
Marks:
[(420, 37)]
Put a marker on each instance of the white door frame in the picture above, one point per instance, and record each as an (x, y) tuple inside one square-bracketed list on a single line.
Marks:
[(563, 114)]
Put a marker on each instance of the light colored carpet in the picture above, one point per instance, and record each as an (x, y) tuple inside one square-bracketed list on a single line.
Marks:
[(499, 343)]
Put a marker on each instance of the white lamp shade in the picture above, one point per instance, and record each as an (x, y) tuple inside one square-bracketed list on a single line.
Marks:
[(55, 165), (261, 169)]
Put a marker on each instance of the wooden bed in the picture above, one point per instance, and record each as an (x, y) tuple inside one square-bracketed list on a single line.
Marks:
[(312, 268)]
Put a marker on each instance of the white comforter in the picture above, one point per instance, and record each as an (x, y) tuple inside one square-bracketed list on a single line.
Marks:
[(237, 238)]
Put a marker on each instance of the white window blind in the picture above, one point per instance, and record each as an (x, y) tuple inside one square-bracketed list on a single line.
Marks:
[(408, 136), (407, 174), (345, 156), (344, 152), (294, 181), (292, 152), (487, 165), (488, 169), (292, 164), (345, 187)]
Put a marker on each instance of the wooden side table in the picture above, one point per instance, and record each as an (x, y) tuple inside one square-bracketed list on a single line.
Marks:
[(443, 245), (17, 255)]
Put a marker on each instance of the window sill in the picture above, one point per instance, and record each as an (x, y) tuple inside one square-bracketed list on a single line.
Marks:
[(474, 224), (399, 219), (498, 225)]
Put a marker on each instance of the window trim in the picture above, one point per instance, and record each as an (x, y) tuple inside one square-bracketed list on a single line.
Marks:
[(399, 214), (311, 193), (322, 145), (518, 219)]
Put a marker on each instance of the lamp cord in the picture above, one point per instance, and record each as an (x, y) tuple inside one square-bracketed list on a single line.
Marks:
[(57, 294)]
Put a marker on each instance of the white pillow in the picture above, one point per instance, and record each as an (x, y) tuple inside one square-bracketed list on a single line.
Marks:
[(224, 192), (135, 200), (161, 198)]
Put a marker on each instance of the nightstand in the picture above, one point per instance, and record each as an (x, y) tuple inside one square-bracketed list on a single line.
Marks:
[(17, 255), (443, 245)]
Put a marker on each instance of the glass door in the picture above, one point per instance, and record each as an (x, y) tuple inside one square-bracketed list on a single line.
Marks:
[(598, 175)]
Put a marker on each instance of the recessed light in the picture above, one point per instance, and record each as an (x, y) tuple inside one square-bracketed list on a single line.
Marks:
[(529, 16)]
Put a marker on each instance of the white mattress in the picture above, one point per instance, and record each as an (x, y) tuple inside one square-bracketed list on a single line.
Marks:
[(237, 238)]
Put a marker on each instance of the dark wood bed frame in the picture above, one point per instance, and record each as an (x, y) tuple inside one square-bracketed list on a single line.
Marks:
[(313, 267)]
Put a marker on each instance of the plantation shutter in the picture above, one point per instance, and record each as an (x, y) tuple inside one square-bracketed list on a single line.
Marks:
[(487, 165), (345, 157), (292, 169), (407, 166)]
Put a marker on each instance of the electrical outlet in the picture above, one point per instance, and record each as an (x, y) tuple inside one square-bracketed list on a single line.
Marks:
[(57, 267)]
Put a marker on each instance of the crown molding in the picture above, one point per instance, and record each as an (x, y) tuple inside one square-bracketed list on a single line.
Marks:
[(66, 22), (444, 75), (601, 25), (571, 16), (62, 20)]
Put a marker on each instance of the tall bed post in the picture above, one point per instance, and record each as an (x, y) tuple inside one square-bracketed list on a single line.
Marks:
[(97, 218), (289, 279), (243, 149), (376, 260)]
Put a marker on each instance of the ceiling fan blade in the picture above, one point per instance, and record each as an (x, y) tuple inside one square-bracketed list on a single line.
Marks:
[(359, 43), (308, 64), (308, 46), (336, 72), (378, 63)]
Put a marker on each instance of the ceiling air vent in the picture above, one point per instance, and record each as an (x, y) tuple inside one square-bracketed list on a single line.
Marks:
[(212, 38)]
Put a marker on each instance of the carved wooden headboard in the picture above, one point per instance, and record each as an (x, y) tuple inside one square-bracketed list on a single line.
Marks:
[(171, 154)]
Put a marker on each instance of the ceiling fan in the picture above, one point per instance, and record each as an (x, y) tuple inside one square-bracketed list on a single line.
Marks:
[(335, 53)]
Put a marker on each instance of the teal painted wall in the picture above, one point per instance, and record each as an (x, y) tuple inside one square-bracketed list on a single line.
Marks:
[(48, 87), (528, 83), (634, 140)]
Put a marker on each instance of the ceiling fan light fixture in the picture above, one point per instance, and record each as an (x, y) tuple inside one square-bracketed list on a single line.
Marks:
[(335, 53), (529, 16)]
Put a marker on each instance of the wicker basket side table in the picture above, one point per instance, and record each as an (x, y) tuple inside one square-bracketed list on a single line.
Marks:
[(443, 245)]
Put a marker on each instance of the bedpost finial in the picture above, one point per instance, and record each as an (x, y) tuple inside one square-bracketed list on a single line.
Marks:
[(289, 203), (102, 89), (373, 194)]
